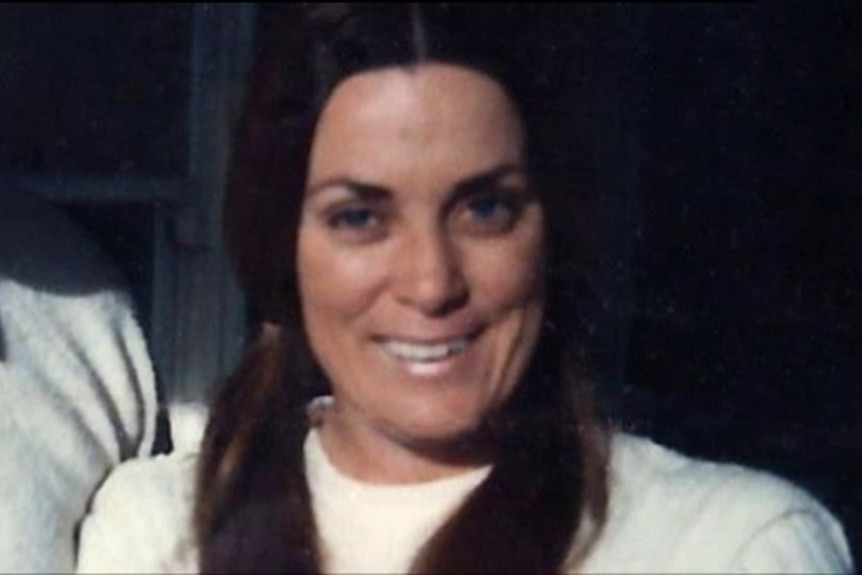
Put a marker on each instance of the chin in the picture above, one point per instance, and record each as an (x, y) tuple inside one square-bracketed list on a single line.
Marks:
[(446, 438)]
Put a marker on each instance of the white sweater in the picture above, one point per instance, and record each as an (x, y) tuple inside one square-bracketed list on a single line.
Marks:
[(668, 514)]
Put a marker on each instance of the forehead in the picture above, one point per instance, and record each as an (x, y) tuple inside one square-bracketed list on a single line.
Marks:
[(437, 116)]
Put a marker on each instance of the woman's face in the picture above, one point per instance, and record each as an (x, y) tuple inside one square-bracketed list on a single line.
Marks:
[(420, 256)]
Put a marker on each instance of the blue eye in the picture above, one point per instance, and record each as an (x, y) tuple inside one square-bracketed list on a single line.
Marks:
[(486, 207), (490, 213), (352, 218)]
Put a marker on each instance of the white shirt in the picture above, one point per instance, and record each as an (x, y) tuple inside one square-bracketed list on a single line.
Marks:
[(667, 514), (372, 528)]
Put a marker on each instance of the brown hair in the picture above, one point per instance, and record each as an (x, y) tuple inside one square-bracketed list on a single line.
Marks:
[(253, 509)]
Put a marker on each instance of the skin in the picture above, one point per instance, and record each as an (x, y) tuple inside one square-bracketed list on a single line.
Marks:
[(419, 225)]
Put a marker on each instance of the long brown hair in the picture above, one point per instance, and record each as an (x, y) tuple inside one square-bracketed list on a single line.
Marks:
[(253, 509)]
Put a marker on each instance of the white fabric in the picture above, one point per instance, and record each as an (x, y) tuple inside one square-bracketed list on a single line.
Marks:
[(188, 423), (408, 514), (141, 519), (77, 394), (673, 514), (668, 514)]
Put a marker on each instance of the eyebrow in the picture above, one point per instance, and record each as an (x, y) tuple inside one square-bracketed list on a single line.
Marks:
[(483, 181), (369, 191), (363, 190)]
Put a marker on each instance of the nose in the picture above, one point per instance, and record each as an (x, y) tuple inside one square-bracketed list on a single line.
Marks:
[(429, 274)]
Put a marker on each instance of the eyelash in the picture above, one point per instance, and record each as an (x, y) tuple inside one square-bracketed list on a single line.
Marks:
[(346, 218), (481, 214), (505, 209)]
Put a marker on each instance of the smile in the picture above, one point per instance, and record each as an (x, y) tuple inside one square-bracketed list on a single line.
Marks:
[(425, 352)]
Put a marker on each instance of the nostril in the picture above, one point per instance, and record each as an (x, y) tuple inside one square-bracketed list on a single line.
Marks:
[(448, 299), (434, 293), (431, 278)]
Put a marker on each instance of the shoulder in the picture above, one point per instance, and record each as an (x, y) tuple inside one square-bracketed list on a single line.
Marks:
[(669, 512), (140, 519), (657, 473)]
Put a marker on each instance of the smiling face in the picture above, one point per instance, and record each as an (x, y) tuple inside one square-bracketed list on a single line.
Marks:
[(420, 262)]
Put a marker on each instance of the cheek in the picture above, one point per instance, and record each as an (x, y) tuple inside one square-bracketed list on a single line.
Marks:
[(334, 282), (512, 275)]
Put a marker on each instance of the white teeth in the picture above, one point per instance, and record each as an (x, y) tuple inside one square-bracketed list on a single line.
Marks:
[(425, 352)]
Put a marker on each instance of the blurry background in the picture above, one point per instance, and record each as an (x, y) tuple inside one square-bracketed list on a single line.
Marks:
[(729, 205), (121, 113)]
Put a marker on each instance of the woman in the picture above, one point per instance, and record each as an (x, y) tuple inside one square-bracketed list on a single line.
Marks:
[(415, 400)]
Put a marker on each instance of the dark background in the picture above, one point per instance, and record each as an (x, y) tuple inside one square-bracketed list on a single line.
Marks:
[(746, 257), (732, 250)]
